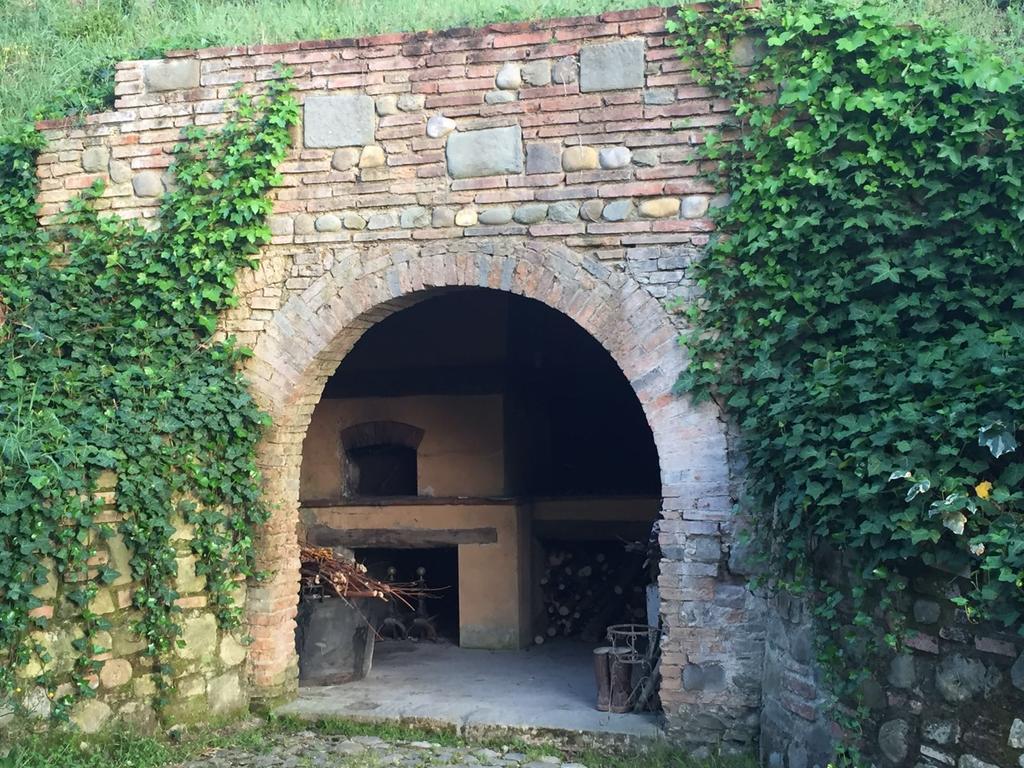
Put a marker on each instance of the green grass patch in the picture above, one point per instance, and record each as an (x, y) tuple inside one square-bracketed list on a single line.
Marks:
[(124, 748)]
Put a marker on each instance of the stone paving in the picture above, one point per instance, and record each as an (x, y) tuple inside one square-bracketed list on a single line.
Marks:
[(312, 750)]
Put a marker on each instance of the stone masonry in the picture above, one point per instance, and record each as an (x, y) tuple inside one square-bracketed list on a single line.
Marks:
[(209, 676), (556, 160), (953, 696)]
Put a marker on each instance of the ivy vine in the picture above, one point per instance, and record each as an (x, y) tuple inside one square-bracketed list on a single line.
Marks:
[(108, 363), (862, 311)]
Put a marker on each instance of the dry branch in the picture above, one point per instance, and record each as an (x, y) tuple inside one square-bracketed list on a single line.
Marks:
[(340, 578)]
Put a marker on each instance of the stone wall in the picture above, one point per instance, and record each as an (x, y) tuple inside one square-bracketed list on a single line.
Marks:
[(556, 160), (207, 673), (954, 697)]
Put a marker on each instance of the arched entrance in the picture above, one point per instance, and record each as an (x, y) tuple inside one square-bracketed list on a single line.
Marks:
[(306, 339)]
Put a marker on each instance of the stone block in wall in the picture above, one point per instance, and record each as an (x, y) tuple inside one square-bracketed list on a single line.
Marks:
[(564, 211), (565, 71), (894, 740), (345, 120), (91, 715), (615, 157), (612, 66), (95, 159), (225, 694), (115, 673), (543, 157), (200, 636), (148, 184), (487, 152), (48, 589), (509, 77), (120, 559), (188, 580), (232, 652), (1017, 672), (496, 216), (959, 678), (580, 158), (139, 715), (537, 73), (531, 213), (440, 126), (500, 97), (748, 50), (171, 75)]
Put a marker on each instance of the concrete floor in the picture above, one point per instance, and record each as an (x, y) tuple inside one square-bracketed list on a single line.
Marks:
[(548, 688)]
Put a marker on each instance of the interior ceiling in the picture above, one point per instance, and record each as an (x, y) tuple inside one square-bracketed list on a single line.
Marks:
[(468, 341)]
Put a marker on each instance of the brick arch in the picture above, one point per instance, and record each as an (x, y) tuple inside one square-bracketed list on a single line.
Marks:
[(306, 339), (370, 433)]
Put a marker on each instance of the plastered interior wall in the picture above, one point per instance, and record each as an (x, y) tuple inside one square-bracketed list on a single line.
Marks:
[(461, 454), (493, 604)]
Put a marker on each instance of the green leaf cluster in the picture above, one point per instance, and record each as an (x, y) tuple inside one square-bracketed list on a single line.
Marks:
[(108, 362), (862, 306)]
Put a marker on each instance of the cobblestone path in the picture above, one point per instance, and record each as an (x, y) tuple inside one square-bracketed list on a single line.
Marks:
[(311, 750)]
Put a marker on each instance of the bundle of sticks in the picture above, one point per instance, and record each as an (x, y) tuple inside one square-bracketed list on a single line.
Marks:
[(323, 571)]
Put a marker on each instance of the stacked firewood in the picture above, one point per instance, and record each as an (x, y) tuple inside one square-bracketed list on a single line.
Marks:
[(325, 574), (588, 586)]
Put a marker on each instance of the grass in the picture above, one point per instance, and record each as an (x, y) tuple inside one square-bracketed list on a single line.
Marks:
[(120, 749), (57, 56), (984, 20)]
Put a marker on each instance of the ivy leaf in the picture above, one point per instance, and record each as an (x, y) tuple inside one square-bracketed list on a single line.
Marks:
[(998, 437), (921, 486)]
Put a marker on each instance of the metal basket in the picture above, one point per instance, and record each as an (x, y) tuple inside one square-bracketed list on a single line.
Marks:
[(636, 643)]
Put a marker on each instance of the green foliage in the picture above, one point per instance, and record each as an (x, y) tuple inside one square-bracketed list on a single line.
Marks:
[(861, 312), (107, 362)]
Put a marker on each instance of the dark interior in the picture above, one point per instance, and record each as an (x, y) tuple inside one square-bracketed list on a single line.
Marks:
[(441, 576), (573, 424), (382, 470)]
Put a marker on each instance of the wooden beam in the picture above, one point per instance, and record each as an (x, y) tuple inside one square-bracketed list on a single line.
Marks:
[(399, 538)]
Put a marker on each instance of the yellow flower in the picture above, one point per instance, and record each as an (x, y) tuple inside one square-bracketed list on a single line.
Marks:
[(982, 489)]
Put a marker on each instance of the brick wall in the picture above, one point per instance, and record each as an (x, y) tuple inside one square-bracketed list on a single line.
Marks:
[(556, 160)]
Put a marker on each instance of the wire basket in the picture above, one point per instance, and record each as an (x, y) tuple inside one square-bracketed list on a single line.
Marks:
[(636, 643)]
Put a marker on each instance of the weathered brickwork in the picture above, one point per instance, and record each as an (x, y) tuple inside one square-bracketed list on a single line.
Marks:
[(209, 676), (556, 160)]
